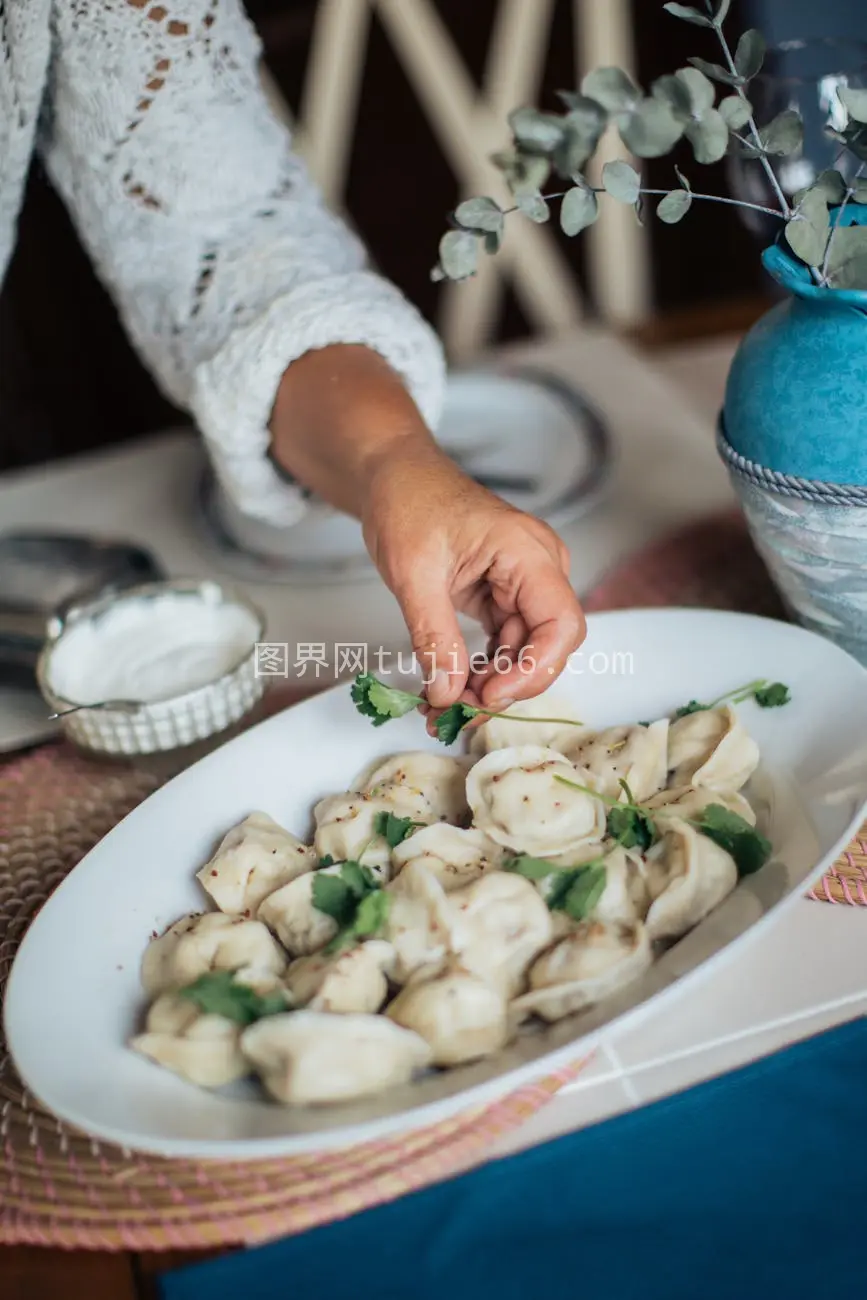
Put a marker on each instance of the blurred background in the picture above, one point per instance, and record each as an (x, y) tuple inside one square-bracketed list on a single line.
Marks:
[(433, 79)]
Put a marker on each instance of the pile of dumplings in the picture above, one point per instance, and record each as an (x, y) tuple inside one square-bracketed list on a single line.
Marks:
[(469, 953)]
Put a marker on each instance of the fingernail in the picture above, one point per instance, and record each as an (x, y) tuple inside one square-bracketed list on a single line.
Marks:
[(439, 683), (502, 705)]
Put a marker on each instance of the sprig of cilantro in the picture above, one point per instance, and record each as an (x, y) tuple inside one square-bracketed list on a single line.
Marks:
[(749, 848), (632, 825), (768, 695), (394, 830), (355, 900), (575, 890), (218, 993), (381, 703)]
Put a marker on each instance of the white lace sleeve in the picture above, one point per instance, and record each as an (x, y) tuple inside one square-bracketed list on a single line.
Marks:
[(223, 261)]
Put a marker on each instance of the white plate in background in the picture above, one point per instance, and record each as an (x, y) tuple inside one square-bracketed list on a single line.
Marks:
[(74, 997)]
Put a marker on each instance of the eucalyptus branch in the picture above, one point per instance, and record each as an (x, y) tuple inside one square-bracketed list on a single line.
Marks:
[(708, 198), (850, 190), (755, 137)]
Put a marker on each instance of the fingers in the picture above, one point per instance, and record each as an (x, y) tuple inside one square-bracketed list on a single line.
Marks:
[(555, 628), (437, 642), (504, 650)]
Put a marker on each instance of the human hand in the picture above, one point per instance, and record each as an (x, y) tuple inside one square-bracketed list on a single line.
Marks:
[(445, 545)]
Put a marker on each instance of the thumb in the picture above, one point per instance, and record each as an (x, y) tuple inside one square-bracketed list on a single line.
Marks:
[(437, 642)]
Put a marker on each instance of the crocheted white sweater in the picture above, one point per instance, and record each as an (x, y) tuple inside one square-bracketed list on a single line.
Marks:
[(152, 122)]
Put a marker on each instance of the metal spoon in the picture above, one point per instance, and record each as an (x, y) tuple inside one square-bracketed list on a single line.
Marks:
[(122, 706)]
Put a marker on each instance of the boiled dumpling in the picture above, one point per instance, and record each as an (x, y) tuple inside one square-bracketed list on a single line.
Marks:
[(517, 801), (506, 729), (254, 858), (442, 781), (456, 857), (625, 898), (461, 1017), (419, 925), (690, 801), (311, 1057), (290, 913), (502, 924), (346, 824), (712, 749), (208, 941), (687, 875), (350, 981), (591, 964), (204, 1049), (637, 755)]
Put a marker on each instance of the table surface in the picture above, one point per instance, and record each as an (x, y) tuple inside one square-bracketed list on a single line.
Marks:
[(807, 974)]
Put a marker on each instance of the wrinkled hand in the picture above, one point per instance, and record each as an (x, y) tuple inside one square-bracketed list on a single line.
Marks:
[(444, 545)]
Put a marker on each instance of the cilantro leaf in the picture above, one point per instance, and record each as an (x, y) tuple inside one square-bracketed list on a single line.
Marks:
[(693, 707), (749, 848), (530, 868), (370, 916), (217, 993), (394, 830), (379, 702), (327, 861), (333, 896), (585, 891), (773, 696), (768, 695), (631, 827), (452, 721)]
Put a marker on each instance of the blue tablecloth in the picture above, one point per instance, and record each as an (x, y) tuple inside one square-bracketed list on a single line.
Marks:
[(749, 1187)]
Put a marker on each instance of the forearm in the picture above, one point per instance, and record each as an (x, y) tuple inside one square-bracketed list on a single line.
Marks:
[(340, 415)]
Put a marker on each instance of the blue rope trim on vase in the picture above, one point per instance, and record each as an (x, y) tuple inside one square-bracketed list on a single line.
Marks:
[(789, 485)]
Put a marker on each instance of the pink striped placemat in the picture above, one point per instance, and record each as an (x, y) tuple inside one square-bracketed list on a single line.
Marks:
[(59, 1188)]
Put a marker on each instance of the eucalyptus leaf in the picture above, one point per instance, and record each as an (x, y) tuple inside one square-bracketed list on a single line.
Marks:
[(735, 111), (459, 254), (522, 171), (652, 130), (785, 134), (621, 181), (829, 184), (688, 14), (709, 137), (807, 232), (583, 128), (859, 191), (722, 12), (483, 214), (612, 88), (533, 206), (680, 176), (700, 88), (536, 132), (716, 73), (855, 102), (578, 210), (674, 206), (674, 93), (847, 258), (750, 54)]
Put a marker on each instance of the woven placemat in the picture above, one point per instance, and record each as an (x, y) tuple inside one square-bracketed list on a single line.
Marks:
[(60, 1188)]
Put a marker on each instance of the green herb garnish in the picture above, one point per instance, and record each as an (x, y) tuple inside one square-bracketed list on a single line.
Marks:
[(327, 861), (768, 695), (355, 900), (630, 824), (743, 842), (381, 703), (773, 696), (575, 890), (394, 830), (218, 993)]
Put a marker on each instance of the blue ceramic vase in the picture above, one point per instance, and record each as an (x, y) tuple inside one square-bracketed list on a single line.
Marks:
[(793, 433)]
